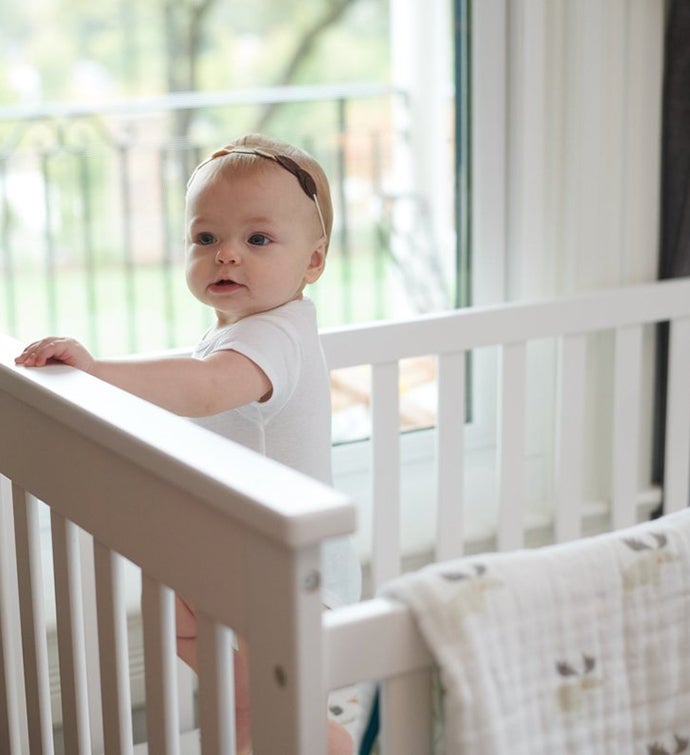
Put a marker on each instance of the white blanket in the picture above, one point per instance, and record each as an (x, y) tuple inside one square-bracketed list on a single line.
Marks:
[(576, 648)]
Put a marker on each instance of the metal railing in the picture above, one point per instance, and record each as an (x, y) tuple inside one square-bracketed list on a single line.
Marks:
[(91, 207)]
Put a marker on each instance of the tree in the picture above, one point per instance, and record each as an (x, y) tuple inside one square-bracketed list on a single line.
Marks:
[(333, 12), (183, 39), (184, 27)]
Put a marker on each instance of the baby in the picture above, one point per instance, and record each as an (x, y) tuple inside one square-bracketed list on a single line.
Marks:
[(258, 221)]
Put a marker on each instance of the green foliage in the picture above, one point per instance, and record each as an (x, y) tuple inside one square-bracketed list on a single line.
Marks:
[(76, 214), (81, 50), (115, 311)]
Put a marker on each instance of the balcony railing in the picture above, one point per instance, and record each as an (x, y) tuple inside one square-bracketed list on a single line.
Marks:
[(91, 209)]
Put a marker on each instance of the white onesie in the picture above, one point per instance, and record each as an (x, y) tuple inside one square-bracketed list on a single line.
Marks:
[(294, 425)]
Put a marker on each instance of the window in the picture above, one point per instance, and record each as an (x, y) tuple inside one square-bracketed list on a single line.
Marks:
[(564, 140), (97, 147)]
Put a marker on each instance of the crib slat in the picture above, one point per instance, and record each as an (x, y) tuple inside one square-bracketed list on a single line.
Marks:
[(216, 688), (185, 694), (161, 673), (112, 642), (570, 413), (70, 627), (511, 446), (34, 643), (677, 462), (93, 668), (13, 729), (450, 451), (385, 472), (626, 424), (8, 717), (406, 714)]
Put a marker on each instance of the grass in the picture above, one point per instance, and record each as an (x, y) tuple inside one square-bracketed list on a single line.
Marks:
[(112, 313)]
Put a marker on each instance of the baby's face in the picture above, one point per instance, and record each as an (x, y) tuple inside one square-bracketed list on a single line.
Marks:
[(253, 240)]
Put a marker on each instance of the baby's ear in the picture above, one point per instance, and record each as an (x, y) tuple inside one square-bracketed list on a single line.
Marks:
[(317, 263)]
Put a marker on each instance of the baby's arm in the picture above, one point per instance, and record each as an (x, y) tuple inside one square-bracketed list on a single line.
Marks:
[(186, 386)]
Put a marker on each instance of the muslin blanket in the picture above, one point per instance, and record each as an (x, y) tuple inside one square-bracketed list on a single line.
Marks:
[(575, 648)]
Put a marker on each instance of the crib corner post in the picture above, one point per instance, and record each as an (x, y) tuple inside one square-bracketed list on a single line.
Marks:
[(284, 615)]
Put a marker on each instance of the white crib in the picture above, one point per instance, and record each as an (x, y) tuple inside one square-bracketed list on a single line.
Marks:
[(239, 535)]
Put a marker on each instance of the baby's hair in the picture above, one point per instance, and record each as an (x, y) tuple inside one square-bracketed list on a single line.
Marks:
[(249, 149)]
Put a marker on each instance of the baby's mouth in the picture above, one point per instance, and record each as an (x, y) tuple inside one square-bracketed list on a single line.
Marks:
[(226, 284)]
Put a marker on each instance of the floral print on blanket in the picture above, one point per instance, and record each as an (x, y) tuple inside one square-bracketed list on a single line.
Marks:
[(680, 745), (590, 638), (469, 596), (577, 681), (646, 568)]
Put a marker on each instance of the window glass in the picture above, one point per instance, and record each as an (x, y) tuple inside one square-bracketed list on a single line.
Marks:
[(105, 108)]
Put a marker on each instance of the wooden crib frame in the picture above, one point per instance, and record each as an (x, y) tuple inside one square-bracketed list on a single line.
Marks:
[(239, 535)]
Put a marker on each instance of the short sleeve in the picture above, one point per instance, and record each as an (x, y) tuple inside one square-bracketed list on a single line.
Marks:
[(271, 342)]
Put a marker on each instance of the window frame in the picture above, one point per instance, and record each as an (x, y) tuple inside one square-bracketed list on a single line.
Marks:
[(543, 78)]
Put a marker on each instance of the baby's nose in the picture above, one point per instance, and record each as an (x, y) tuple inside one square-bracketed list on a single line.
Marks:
[(227, 254)]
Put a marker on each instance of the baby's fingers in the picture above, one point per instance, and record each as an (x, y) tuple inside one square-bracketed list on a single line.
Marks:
[(40, 353), (27, 350), (35, 354)]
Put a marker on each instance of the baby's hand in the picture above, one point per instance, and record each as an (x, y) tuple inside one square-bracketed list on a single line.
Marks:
[(52, 349)]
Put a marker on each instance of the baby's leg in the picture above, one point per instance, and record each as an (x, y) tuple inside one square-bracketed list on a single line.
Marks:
[(339, 739), (186, 650), (186, 631)]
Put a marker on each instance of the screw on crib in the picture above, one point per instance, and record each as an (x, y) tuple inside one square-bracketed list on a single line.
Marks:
[(280, 676), (312, 581)]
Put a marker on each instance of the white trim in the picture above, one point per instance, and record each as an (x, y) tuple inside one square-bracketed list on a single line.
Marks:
[(489, 149), (528, 151)]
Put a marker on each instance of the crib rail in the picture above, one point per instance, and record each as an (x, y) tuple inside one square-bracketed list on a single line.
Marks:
[(147, 485), (389, 647), (450, 337)]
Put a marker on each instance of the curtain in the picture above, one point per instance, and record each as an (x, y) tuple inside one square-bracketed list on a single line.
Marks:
[(674, 251)]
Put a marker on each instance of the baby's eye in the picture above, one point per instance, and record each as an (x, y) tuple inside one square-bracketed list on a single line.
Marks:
[(205, 239), (258, 239)]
